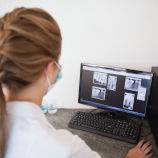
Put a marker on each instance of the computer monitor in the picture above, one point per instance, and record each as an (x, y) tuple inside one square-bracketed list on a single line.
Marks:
[(115, 89)]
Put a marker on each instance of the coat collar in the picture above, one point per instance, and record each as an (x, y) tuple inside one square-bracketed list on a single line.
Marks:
[(24, 109)]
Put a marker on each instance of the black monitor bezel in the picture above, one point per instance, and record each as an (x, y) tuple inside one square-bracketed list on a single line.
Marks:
[(117, 69)]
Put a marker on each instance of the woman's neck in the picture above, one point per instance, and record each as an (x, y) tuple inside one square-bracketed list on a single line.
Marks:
[(31, 94)]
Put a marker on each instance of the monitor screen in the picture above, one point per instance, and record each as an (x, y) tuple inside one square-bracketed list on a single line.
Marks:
[(115, 89)]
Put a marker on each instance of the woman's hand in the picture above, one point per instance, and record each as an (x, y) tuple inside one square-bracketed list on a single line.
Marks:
[(141, 150)]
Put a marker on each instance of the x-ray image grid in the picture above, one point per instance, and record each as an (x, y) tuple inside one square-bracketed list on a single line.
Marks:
[(132, 84), (128, 101), (98, 93), (112, 81), (100, 78), (116, 89)]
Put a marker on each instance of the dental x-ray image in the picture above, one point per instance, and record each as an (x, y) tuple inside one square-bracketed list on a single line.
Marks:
[(112, 81), (100, 78), (98, 93), (128, 101), (132, 84)]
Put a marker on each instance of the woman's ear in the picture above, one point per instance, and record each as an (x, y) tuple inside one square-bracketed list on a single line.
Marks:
[(50, 70)]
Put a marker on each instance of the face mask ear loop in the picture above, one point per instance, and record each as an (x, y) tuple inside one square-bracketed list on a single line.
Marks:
[(47, 79)]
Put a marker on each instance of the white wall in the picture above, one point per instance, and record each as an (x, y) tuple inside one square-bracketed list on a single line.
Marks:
[(120, 33)]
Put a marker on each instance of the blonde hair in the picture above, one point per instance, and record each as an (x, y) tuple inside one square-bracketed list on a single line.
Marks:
[(29, 39)]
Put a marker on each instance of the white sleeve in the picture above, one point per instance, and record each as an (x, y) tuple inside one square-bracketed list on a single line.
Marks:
[(59, 144), (80, 149), (77, 147)]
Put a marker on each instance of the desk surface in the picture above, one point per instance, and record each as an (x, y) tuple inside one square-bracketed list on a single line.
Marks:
[(106, 147)]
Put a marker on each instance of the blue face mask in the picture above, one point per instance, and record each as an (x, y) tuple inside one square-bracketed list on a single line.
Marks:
[(51, 85), (58, 77)]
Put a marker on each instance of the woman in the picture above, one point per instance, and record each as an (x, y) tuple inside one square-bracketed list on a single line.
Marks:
[(30, 47)]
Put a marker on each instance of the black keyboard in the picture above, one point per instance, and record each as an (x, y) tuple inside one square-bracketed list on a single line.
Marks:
[(100, 123)]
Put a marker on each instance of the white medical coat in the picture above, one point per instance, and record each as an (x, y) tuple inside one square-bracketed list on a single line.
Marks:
[(30, 135)]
